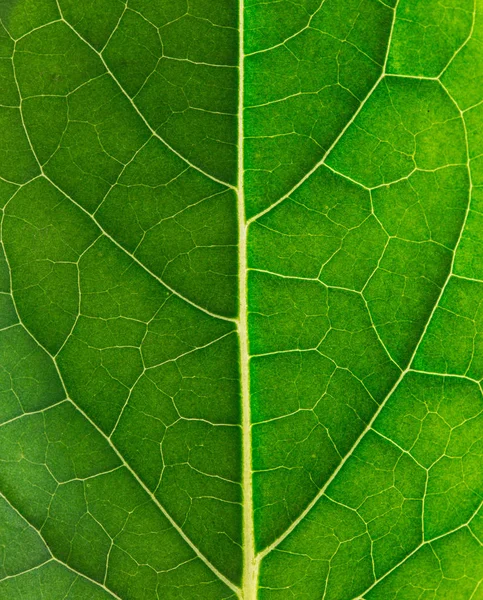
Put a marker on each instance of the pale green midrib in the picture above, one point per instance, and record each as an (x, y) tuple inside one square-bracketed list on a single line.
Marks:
[(250, 563)]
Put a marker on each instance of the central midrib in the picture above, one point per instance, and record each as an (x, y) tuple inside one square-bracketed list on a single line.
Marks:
[(250, 564)]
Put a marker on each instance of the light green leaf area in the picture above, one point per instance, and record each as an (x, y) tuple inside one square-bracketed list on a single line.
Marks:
[(241, 300)]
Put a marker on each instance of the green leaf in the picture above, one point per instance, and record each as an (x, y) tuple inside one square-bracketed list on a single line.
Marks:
[(241, 299)]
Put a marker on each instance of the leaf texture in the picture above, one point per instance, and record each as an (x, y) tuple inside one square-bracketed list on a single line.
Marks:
[(241, 289)]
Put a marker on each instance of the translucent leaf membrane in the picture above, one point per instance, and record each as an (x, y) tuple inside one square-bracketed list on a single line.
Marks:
[(241, 291)]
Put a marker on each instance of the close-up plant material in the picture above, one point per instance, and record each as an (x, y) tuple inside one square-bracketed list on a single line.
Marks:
[(241, 299)]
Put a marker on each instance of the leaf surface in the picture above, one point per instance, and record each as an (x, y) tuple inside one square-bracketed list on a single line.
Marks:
[(241, 334)]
